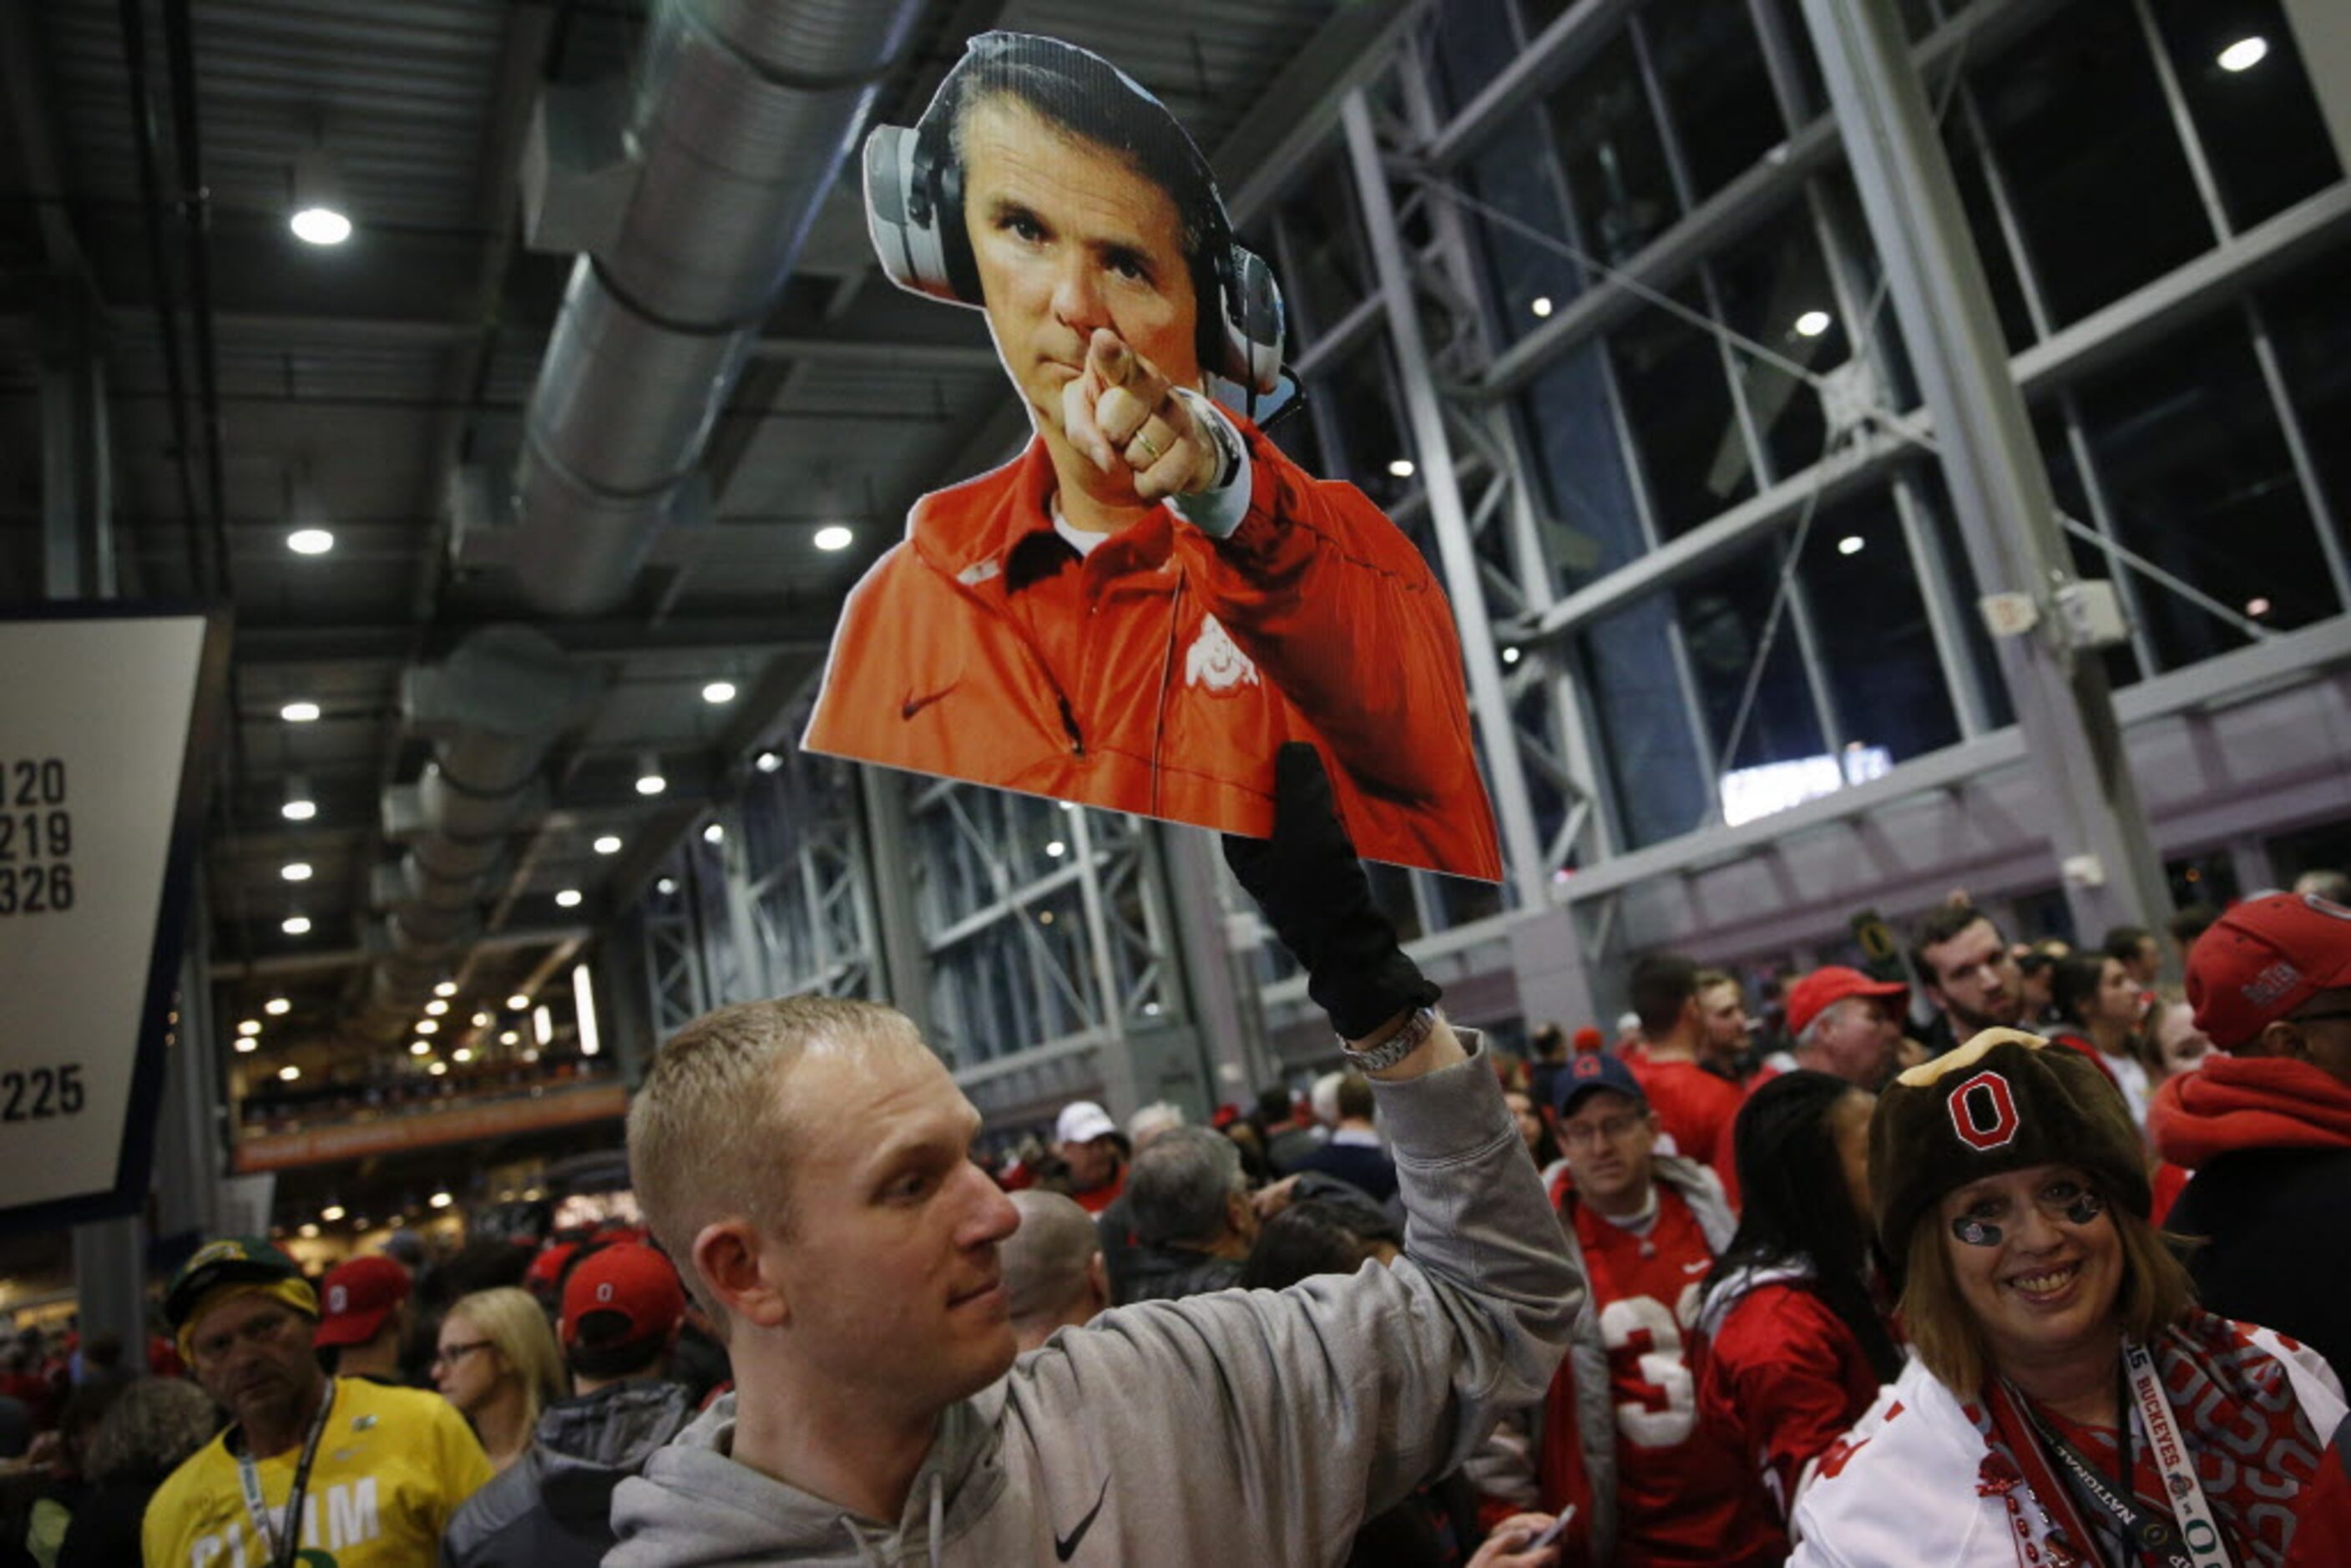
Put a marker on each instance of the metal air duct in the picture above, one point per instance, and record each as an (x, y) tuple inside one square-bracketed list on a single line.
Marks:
[(744, 113)]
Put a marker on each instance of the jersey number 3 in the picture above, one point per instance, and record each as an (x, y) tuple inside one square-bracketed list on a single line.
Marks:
[(1640, 1326)]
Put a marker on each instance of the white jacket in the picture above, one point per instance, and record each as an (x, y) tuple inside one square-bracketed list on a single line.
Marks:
[(1906, 1490)]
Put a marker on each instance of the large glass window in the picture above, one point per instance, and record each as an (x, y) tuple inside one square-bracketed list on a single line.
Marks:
[(2246, 90), (2054, 433), (1594, 520), (1723, 615), (1529, 279), (1660, 787), (1470, 44), (1717, 90), (1328, 271), (1615, 164), (1869, 624), (1669, 373), (1775, 291), (1973, 178), (2187, 445), (2309, 321), (2095, 172)]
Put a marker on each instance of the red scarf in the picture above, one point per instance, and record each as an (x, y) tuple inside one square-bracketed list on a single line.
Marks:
[(2255, 1448), (2248, 1102)]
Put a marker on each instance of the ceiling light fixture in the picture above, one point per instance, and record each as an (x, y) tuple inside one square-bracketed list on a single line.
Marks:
[(295, 871), (1851, 544), (446, 988), (289, 1073), (461, 1055), (714, 834), (583, 1011), (295, 926), (518, 1002), (1401, 467), (438, 1069), (435, 1007), (718, 692), (428, 1025), (299, 712), (768, 761), (508, 1037), (299, 806), (249, 1027), (310, 541), (1509, 655), (484, 1021), (833, 537), (2245, 54), (608, 844), (1541, 306), (321, 214), (666, 886), (542, 1024), (1812, 323), (277, 1006), (331, 1213), (568, 899), (246, 1042), (420, 1048), (442, 1200), (649, 774)]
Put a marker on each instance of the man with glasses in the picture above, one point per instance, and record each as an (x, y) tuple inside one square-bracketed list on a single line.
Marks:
[(348, 1470), (1618, 1433), (2266, 1123)]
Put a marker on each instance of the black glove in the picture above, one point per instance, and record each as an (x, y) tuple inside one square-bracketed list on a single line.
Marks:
[(1314, 894)]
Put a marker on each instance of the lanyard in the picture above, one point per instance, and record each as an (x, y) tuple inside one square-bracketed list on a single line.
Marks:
[(2198, 1533), (280, 1542)]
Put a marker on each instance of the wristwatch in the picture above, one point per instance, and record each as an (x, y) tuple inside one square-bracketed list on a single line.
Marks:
[(1221, 434), (1396, 1047)]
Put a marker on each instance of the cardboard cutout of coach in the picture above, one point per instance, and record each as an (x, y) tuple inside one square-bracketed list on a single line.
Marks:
[(1137, 611)]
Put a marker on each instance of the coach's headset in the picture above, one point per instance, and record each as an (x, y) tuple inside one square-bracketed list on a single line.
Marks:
[(914, 210)]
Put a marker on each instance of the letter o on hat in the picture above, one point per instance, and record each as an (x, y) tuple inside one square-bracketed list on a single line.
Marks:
[(1983, 1111)]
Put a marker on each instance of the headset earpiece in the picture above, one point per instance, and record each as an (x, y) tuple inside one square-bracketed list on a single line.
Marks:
[(1249, 354), (914, 213)]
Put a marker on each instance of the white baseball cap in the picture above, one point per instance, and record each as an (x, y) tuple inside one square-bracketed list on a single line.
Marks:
[(1081, 1122)]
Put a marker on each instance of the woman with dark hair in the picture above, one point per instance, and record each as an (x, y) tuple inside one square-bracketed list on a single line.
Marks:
[(1797, 1348), (2098, 1007), (2069, 1403), (153, 1426)]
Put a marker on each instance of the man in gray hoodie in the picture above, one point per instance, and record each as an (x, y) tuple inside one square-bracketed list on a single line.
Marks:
[(808, 1158)]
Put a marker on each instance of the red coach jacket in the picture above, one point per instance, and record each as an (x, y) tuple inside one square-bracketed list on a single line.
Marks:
[(1317, 620)]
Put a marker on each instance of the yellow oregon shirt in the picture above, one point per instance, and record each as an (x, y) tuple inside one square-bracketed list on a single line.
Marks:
[(393, 1465)]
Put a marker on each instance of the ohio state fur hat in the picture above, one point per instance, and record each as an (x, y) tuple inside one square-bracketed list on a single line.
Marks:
[(2003, 1102)]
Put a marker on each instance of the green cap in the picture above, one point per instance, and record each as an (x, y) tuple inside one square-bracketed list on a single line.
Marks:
[(231, 1261)]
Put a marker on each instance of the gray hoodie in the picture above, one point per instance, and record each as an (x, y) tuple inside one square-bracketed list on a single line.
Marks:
[(553, 1508), (1179, 1432)]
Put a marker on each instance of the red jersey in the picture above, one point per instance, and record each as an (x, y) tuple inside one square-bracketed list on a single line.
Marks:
[(1683, 1494), (1784, 1379), (1691, 1104), (1094, 1199)]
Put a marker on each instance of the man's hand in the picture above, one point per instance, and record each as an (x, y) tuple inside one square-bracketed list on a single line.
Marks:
[(1124, 414), (1270, 1201), (1512, 1544)]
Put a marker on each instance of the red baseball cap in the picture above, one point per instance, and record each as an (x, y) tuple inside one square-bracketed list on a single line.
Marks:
[(356, 1297), (547, 1270), (621, 1295), (1817, 992), (2264, 958)]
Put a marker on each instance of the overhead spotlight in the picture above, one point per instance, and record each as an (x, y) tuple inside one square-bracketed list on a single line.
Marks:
[(2245, 54), (714, 834), (542, 1024), (331, 1213), (295, 926), (310, 541), (420, 1048), (441, 1199), (2257, 608), (446, 988), (1509, 655), (428, 1025), (438, 1069), (509, 1037), (583, 1011), (249, 1027), (299, 711), (309, 1231), (320, 215), (289, 1073), (768, 761), (568, 899), (1812, 323), (1851, 544), (833, 537), (484, 1021), (649, 774), (295, 871), (1541, 306), (246, 1043), (608, 844), (1401, 467), (461, 1055), (518, 1002), (1056, 850), (1045, 918), (436, 1007), (718, 692), (299, 806), (666, 886)]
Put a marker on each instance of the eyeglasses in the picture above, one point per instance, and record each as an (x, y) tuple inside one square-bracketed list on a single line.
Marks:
[(451, 1355), (267, 1331), (1575, 1135)]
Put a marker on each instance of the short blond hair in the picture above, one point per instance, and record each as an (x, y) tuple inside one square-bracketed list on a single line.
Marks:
[(516, 1325), (709, 1135), (2156, 1293)]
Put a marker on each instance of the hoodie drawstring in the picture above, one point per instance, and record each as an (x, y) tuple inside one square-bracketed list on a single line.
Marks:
[(938, 1512)]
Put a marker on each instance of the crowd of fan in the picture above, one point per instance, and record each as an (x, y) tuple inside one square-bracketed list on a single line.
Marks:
[(1813, 1287)]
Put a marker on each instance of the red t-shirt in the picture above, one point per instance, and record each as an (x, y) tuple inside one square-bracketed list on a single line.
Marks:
[(1692, 1104), (1784, 1379), (1684, 1499), (1094, 1199)]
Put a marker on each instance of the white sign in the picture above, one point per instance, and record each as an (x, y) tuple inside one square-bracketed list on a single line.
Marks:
[(102, 717)]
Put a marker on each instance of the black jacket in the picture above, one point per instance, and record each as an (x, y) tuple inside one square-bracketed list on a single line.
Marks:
[(2271, 1222), (553, 1508), (1171, 1273)]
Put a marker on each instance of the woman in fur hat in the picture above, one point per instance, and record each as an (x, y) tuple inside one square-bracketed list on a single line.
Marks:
[(2069, 1403)]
